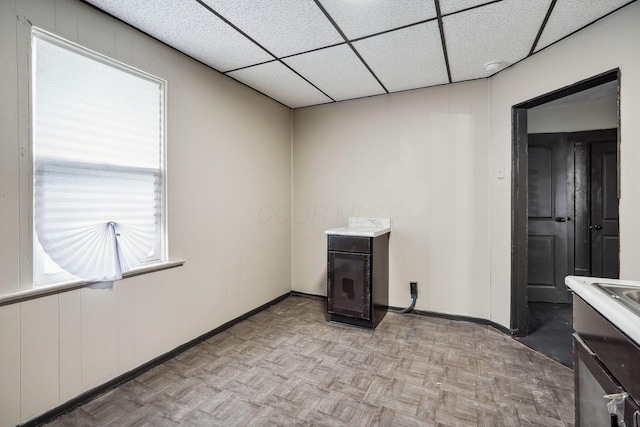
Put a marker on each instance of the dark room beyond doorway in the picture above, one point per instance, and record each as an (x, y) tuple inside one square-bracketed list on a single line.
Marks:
[(565, 207)]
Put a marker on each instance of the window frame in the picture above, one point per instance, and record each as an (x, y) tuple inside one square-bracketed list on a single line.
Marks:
[(158, 262)]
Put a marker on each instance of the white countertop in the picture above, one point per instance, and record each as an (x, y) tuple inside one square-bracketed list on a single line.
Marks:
[(618, 314), (364, 227)]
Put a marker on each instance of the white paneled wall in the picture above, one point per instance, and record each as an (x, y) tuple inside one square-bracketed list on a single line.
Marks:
[(39, 356), (10, 365), (229, 156), (99, 335), (70, 341)]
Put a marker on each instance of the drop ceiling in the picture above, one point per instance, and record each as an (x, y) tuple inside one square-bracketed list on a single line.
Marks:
[(309, 52)]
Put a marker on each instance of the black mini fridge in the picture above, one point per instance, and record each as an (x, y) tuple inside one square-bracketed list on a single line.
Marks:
[(358, 279)]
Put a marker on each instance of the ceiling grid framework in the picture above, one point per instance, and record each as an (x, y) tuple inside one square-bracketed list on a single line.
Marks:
[(310, 52), (443, 40)]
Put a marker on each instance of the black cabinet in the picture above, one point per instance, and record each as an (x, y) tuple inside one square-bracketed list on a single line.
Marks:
[(358, 279), (606, 363)]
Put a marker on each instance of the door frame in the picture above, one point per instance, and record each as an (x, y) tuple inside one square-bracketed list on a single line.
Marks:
[(519, 166)]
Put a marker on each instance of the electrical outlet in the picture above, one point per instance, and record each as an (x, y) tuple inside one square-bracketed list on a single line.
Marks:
[(413, 286)]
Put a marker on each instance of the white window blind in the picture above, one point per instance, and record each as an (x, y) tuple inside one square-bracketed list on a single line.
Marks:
[(98, 164)]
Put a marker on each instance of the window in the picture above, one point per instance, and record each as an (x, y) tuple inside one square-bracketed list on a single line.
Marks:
[(98, 164)]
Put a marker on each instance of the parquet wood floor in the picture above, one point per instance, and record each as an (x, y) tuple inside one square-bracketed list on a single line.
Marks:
[(287, 366)]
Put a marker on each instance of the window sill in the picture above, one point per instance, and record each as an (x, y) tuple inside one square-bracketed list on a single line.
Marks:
[(44, 291)]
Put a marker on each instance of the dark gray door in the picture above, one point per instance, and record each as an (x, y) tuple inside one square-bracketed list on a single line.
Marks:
[(548, 218), (604, 224)]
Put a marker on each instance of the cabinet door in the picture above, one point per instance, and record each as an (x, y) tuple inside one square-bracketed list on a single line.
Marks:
[(349, 285), (592, 384)]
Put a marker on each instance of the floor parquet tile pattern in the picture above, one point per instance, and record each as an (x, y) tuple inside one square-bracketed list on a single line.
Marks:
[(287, 366)]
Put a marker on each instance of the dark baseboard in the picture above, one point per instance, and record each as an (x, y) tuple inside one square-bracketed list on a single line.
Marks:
[(478, 320), (305, 295), (103, 388)]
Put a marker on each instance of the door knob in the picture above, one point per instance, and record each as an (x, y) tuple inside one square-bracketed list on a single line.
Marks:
[(597, 227), (560, 219)]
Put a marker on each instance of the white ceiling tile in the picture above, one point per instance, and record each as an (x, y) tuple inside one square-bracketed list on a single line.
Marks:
[(190, 28), (571, 15), (280, 83), (284, 27), (406, 59), (362, 18), (450, 6), (502, 31), (337, 71)]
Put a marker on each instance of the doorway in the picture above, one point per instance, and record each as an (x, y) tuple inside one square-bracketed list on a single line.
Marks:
[(549, 235), (572, 228)]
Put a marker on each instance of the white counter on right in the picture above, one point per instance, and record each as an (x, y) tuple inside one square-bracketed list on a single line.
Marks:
[(622, 317)]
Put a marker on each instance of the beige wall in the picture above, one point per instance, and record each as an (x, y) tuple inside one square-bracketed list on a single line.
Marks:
[(431, 159), (229, 156), (608, 44), (418, 157)]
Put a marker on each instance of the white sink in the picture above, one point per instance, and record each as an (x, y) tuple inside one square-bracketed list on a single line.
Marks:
[(364, 227), (626, 295), (617, 300)]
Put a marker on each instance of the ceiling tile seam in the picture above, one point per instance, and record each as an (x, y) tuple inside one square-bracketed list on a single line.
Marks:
[(418, 88), (363, 97), (442, 39), (286, 56), (402, 27), (306, 80), (582, 28), (344, 37), (424, 21), (471, 8), (313, 50), (393, 93), (225, 20), (368, 36), (256, 90), (560, 39), (542, 27), (229, 23), (86, 3), (251, 65)]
